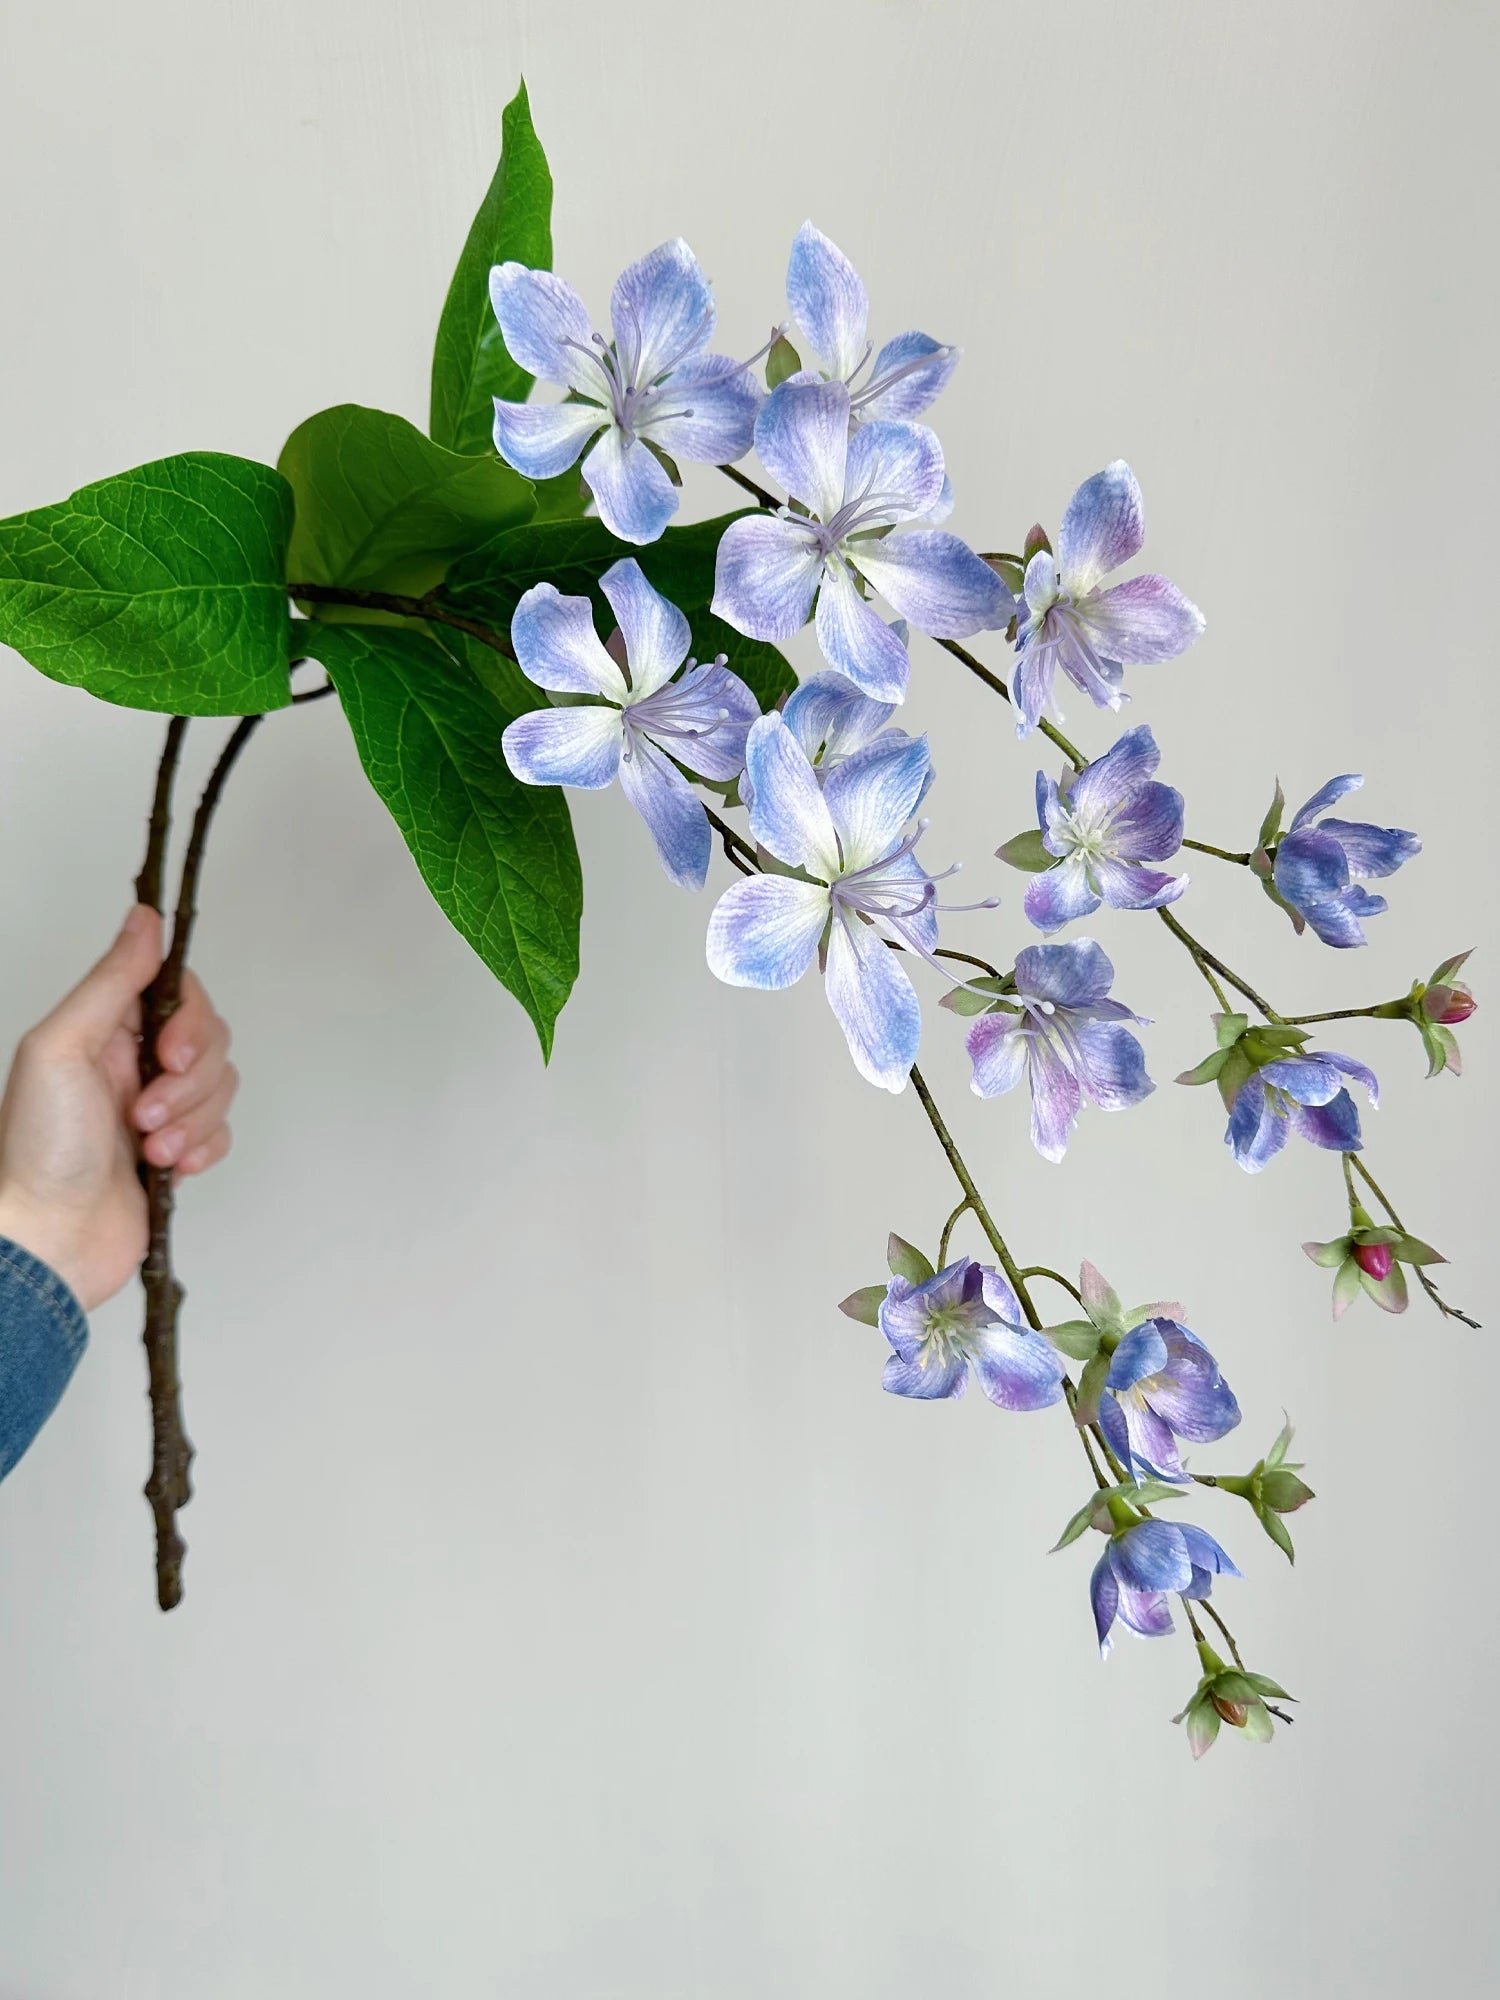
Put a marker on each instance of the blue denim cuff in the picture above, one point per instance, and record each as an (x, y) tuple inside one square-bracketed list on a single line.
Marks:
[(42, 1334)]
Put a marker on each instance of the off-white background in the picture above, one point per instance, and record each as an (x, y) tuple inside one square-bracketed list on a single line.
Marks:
[(569, 1615)]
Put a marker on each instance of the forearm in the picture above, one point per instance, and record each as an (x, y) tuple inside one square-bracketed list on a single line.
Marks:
[(42, 1334)]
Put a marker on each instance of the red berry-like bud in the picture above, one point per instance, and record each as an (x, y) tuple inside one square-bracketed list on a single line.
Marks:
[(1374, 1259), (1448, 1005), (1235, 1713)]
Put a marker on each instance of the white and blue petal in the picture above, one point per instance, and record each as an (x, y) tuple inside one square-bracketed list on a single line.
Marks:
[(672, 810), (873, 1002), (1310, 867), (910, 372), (1060, 895), (1334, 1125), (702, 720), (565, 746), (631, 488), (1055, 1100), (1017, 1369), (802, 438), (766, 575), (662, 310), (543, 439), (1105, 785), (1142, 1352), (1104, 1599), (1124, 886), (1151, 1556), (934, 580), (1142, 622), (1258, 1125), (1076, 974), (764, 931), (1372, 850), (899, 464), (871, 796), (789, 814), (1150, 827), (655, 632), (556, 646), (1104, 526), (1146, 1612), (1112, 1068), (998, 1049), (931, 1374), (705, 411), (828, 301), (1204, 1552), (830, 718), (546, 328), (856, 641), (1326, 796)]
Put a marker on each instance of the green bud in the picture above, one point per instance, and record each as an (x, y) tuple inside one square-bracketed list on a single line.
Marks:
[(1036, 541), (1282, 1491)]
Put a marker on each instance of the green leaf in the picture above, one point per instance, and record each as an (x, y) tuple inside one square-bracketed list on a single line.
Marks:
[(380, 507), (1077, 1524), (497, 855), (1027, 852), (1077, 1338), (767, 673), (470, 365), (162, 588), (907, 1261), (783, 360), (864, 1305)]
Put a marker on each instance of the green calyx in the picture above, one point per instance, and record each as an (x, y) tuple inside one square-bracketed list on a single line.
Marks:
[(1272, 1488), (1229, 1695), (1241, 1051)]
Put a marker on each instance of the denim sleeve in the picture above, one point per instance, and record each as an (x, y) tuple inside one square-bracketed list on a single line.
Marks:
[(42, 1334)]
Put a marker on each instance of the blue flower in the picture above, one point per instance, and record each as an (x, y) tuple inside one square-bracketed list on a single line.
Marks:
[(1302, 1093), (1103, 824), (966, 1317), (1091, 633), (831, 720), (771, 567), (637, 729), (1063, 1033), (653, 385), (1141, 1564), (832, 308), (1316, 864), (1163, 1384), (847, 836)]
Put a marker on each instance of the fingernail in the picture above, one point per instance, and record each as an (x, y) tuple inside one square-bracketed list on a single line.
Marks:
[(150, 1116), (184, 1058)]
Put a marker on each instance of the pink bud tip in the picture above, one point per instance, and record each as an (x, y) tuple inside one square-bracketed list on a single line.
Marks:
[(1457, 1004), (1374, 1259)]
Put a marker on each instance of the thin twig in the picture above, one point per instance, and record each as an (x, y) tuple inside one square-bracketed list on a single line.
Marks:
[(1223, 853), (734, 845), (1228, 1635), (993, 681), (942, 1256), (762, 496), (1044, 1271), (169, 1487), (966, 1181), (426, 608), (1205, 957)]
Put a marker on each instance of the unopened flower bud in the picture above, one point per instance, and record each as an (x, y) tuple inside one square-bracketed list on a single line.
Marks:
[(1448, 1005), (1374, 1259), (1235, 1713)]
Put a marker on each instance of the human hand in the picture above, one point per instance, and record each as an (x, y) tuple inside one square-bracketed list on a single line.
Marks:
[(74, 1121)]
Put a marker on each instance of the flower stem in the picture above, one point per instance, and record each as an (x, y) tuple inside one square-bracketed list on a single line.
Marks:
[(993, 681), (1375, 1013), (942, 1256), (1419, 1270), (734, 845), (762, 496), (1043, 1271), (1234, 1650), (1205, 960), (973, 1198), (1223, 853), (427, 609)]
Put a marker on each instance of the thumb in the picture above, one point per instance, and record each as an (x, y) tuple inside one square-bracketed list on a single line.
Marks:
[(101, 1001)]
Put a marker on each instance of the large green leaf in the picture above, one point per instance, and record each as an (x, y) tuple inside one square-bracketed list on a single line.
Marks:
[(470, 365), (497, 855), (572, 556), (380, 507), (162, 588)]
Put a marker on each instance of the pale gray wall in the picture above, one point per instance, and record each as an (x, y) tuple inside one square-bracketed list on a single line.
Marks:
[(568, 1612)]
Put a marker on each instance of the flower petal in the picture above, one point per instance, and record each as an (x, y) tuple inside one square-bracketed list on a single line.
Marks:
[(661, 310), (1032, 685), (557, 647), (1372, 850), (1071, 975), (764, 931), (1141, 622), (565, 746), (1017, 1370), (1124, 886), (828, 301), (1199, 1407), (1060, 895), (1104, 526), (1336, 922), (998, 1050), (934, 580), (910, 372), (1152, 1446), (899, 462), (1105, 785), (904, 1316), (1151, 1556), (765, 576), (1326, 796), (996, 1291), (930, 1375), (1150, 827), (542, 439), (871, 796), (1334, 1125), (1142, 1352), (655, 632), (710, 404), (672, 810), (1104, 1598), (830, 718), (789, 814), (1204, 1552), (1146, 1612), (1257, 1128), (873, 1002), (1360, 1072), (546, 327), (1305, 1079), (1055, 1101), (1310, 867), (856, 640), (631, 489), (802, 436)]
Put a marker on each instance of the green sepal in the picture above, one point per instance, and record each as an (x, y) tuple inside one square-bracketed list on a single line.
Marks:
[(983, 995), (1282, 1491), (1036, 541), (1077, 1338), (1228, 1028), (1449, 966), (1264, 1685), (1208, 1070), (1441, 1045), (1412, 1250), (1345, 1285), (1011, 572), (1327, 1255), (1269, 1044), (1258, 1726), (1028, 852), (1390, 1293), (1080, 1522), (907, 1261), (1270, 826), (1237, 1070), (1203, 1721), (864, 1305), (1276, 1528), (1090, 1389), (1277, 1454), (783, 360)]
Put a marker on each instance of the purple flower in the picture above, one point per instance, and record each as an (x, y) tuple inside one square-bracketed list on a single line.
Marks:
[(1316, 864), (1091, 633), (1302, 1093), (1141, 1564), (1065, 1035), (637, 729), (1163, 1384), (867, 885), (772, 568), (966, 1317), (651, 389), (832, 308), (1103, 825)]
